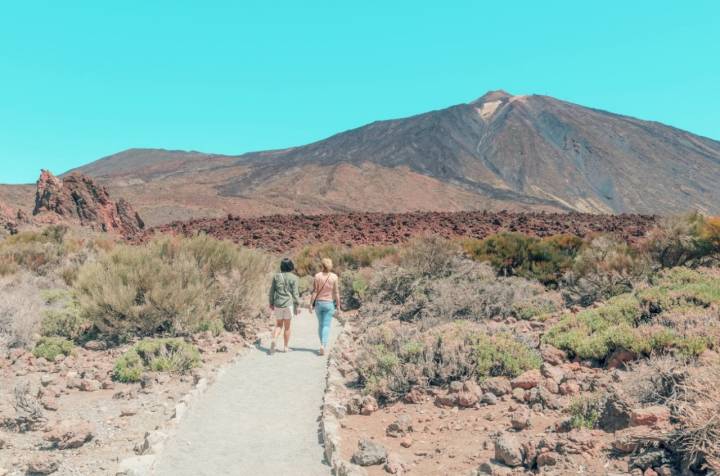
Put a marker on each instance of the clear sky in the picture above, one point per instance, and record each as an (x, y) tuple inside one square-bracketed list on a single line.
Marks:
[(80, 80)]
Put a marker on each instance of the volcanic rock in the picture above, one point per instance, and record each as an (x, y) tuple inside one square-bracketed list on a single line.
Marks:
[(76, 198)]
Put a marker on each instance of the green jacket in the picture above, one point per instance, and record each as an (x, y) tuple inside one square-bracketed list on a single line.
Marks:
[(284, 290)]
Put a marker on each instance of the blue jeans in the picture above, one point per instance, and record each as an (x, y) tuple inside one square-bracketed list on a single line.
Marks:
[(324, 310)]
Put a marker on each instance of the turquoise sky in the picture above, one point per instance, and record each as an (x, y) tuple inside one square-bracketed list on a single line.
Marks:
[(83, 79)]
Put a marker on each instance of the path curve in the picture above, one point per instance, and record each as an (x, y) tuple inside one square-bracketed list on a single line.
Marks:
[(260, 417)]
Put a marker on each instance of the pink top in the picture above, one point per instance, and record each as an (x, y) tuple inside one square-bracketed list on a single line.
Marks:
[(326, 287)]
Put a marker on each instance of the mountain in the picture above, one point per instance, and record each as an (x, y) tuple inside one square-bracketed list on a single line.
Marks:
[(498, 152)]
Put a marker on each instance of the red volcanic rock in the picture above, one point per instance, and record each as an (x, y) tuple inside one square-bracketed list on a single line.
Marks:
[(281, 233), (8, 219), (78, 199)]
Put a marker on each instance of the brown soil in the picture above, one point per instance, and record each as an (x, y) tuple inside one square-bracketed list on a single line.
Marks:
[(280, 233)]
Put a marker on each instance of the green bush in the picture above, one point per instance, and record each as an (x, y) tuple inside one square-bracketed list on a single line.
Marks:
[(159, 355), (64, 322), (353, 288), (501, 355), (670, 315), (517, 254), (50, 347), (585, 412), (172, 286)]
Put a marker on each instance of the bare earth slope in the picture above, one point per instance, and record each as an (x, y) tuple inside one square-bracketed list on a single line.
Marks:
[(498, 152)]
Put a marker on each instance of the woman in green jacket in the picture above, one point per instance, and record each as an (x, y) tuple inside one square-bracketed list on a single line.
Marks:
[(284, 301)]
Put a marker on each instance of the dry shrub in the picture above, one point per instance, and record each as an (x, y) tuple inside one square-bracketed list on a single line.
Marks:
[(21, 309), (171, 286), (307, 260), (691, 393), (688, 240), (468, 290), (395, 357), (429, 256), (604, 268), (29, 413)]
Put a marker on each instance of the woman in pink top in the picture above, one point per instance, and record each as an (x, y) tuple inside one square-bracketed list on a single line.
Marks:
[(326, 299)]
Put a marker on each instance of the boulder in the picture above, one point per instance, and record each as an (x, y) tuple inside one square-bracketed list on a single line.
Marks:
[(369, 453), (549, 458), (401, 426), (394, 464), (369, 406), (619, 358), (520, 419), (649, 416), (508, 450), (467, 399), (569, 388), (69, 434), (557, 374), (489, 398), (498, 386), (415, 395), (616, 413), (44, 464), (552, 355), (527, 380)]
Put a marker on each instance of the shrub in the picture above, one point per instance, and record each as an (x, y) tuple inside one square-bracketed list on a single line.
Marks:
[(51, 347), (676, 313), (685, 240), (352, 289), (171, 286), (501, 355), (516, 254), (396, 357), (604, 268), (470, 292), (307, 260), (159, 355), (63, 318), (585, 412), (430, 256), (21, 309)]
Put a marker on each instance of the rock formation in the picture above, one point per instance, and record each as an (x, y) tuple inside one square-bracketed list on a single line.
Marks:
[(76, 198), (8, 220)]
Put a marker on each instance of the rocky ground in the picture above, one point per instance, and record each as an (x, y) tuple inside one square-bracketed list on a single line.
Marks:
[(69, 417), (503, 426), (281, 233)]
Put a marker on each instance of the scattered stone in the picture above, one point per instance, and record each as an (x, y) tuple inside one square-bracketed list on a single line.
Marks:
[(508, 450), (47, 379), (489, 398), (96, 345), (43, 464), (549, 458), (406, 441), (467, 399), (649, 416), (400, 427), (90, 385), (448, 400), (650, 472), (369, 406), (520, 419), (49, 403), (615, 415), (128, 411), (557, 374), (498, 386), (518, 394), (527, 380), (70, 434), (394, 464), (569, 388), (552, 355), (415, 396), (369, 453)]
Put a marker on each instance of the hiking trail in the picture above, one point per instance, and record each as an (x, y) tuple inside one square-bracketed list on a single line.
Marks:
[(262, 416)]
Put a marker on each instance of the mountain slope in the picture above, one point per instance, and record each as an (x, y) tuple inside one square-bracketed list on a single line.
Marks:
[(498, 152)]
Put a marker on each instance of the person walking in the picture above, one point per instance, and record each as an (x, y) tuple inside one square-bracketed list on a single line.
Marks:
[(284, 301), (326, 300)]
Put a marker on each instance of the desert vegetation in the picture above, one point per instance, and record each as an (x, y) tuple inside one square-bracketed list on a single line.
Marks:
[(541, 323)]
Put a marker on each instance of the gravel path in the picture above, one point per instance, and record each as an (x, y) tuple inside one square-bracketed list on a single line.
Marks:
[(260, 417)]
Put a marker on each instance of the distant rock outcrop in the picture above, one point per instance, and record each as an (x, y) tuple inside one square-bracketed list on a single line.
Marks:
[(76, 198), (8, 220)]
